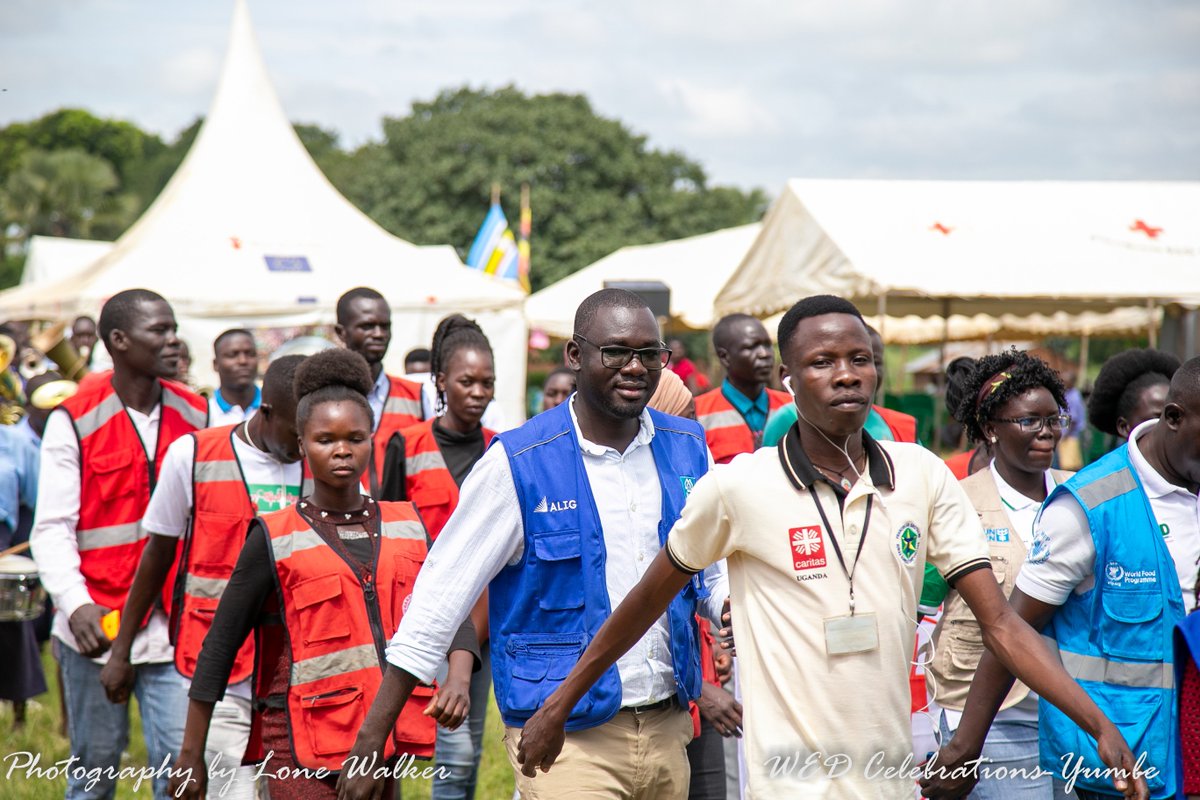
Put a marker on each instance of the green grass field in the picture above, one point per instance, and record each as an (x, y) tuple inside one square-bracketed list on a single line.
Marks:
[(41, 736)]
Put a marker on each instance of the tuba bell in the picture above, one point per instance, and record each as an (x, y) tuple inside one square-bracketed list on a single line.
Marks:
[(53, 342)]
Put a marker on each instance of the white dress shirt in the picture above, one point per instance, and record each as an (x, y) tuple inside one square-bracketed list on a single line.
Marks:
[(53, 542), (486, 533)]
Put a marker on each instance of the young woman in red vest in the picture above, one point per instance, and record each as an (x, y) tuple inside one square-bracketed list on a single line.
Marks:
[(323, 584), (438, 455)]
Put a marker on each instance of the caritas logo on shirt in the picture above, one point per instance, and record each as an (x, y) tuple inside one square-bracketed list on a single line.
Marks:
[(808, 547)]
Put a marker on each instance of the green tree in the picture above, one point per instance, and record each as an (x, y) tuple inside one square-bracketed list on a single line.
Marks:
[(122, 144), (65, 193), (595, 185)]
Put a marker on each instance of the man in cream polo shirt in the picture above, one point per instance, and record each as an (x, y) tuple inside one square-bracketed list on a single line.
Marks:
[(826, 539)]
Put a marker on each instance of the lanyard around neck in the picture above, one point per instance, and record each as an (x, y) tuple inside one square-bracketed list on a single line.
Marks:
[(849, 573)]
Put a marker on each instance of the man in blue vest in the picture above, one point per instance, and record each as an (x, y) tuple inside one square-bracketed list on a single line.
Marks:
[(559, 520), (1107, 580)]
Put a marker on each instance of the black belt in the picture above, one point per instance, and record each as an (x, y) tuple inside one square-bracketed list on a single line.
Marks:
[(646, 709)]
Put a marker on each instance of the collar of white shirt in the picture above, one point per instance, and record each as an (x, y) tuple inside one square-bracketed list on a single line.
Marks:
[(1011, 497), (1155, 485), (644, 435)]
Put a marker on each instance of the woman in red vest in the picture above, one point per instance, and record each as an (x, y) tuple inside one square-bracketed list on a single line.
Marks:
[(323, 584), (438, 455)]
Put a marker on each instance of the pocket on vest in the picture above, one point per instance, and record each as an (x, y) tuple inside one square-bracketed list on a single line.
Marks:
[(322, 609), (540, 662), (1128, 628), (112, 475), (332, 719), (560, 570), (1144, 725), (407, 567)]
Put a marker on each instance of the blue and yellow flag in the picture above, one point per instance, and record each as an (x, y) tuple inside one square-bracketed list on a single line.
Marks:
[(495, 249)]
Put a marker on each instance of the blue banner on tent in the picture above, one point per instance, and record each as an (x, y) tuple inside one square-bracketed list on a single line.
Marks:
[(287, 264)]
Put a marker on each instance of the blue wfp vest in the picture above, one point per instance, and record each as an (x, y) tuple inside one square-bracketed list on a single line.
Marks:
[(545, 609), (1115, 640)]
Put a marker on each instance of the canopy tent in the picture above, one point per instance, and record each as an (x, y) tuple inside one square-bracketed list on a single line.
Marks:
[(913, 329), (939, 247), (249, 232), (53, 257), (694, 269)]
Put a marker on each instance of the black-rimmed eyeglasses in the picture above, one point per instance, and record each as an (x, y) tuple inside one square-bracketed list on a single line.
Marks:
[(615, 356), (1057, 422)]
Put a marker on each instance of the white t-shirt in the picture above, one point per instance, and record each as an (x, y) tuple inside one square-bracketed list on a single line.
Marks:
[(272, 485), (786, 586), (218, 417), (1064, 561)]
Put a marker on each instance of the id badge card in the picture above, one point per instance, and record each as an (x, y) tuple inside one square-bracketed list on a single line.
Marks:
[(851, 634)]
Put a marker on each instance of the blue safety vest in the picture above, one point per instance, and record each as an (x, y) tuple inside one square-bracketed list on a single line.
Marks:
[(1115, 640), (545, 609)]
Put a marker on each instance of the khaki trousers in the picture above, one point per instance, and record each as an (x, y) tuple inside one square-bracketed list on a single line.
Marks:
[(631, 757)]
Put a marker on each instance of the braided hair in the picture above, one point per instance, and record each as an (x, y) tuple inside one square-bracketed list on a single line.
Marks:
[(1121, 382), (332, 376), (453, 333), (996, 379)]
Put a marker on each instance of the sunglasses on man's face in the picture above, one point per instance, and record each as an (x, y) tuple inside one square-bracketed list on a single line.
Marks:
[(616, 356)]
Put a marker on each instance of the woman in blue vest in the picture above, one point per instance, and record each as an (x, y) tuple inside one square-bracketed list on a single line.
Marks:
[(1012, 402)]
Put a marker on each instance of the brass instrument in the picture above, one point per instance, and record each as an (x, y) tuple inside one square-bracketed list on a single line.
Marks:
[(58, 348), (51, 395), (11, 395)]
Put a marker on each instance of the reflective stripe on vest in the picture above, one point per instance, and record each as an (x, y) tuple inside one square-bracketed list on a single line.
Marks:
[(337, 632), (98, 417), (1145, 675), (725, 429), (721, 419), (402, 405), (401, 409), (110, 536)]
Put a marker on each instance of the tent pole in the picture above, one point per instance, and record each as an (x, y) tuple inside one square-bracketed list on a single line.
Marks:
[(881, 315), (945, 332), (1151, 327)]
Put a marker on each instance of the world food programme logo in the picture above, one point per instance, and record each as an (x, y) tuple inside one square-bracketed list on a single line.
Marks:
[(908, 539), (688, 483), (1114, 572)]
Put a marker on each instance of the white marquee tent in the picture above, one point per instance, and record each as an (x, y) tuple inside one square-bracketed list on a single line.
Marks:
[(694, 269), (51, 258), (250, 232), (970, 247)]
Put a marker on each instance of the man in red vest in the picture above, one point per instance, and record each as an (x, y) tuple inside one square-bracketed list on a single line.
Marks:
[(212, 484), (735, 415), (101, 454), (364, 324)]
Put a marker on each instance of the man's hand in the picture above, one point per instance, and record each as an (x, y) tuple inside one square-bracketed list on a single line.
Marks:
[(189, 780), (450, 704), (723, 663), (721, 709), (541, 741), (1117, 756), (85, 627), (362, 786), (952, 772), (726, 632), (117, 677)]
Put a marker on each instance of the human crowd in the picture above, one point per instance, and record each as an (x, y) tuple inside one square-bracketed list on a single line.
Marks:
[(312, 586)]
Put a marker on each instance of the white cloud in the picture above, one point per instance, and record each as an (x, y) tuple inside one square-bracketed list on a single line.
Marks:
[(716, 112)]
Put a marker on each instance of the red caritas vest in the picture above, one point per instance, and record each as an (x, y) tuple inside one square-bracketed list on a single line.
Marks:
[(726, 430), (221, 515), (117, 479), (401, 409), (427, 481), (338, 621)]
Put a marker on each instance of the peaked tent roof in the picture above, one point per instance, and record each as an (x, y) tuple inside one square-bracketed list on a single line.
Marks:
[(983, 247), (694, 268), (249, 225)]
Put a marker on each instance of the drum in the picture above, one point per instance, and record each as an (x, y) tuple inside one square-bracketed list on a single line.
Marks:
[(22, 597)]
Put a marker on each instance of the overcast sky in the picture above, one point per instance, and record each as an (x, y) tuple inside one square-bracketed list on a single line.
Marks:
[(757, 90)]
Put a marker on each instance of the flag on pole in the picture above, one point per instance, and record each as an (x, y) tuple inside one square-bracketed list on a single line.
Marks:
[(523, 240), (495, 249)]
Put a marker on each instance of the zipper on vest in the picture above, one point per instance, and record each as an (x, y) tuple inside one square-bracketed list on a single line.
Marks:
[(315, 697), (373, 616)]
